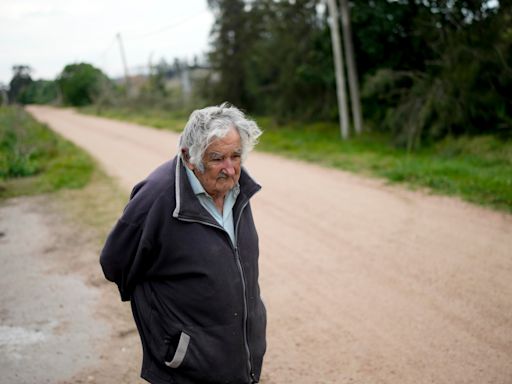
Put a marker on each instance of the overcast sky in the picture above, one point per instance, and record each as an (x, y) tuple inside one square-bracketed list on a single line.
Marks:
[(48, 34)]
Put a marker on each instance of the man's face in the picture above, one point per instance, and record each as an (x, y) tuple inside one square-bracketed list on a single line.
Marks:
[(222, 163)]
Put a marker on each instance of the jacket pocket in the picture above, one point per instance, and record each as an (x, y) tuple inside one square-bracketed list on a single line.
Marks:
[(215, 355), (176, 351)]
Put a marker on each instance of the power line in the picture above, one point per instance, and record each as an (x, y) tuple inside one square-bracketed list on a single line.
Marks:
[(103, 54), (167, 27), (110, 45), (102, 57)]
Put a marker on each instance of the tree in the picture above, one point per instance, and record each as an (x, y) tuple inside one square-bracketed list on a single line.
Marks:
[(290, 65), (81, 84), (427, 68), (40, 92), (462, 83), (20, 81), (231, 40), (273, 57), (4, 98)]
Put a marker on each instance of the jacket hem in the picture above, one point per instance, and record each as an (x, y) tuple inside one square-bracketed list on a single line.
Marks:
[(152, 378)]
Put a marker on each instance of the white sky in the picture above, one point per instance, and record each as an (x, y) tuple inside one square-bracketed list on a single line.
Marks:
[(49, 34)]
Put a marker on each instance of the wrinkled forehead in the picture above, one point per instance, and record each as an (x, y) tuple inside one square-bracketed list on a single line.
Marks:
[(229, 142)]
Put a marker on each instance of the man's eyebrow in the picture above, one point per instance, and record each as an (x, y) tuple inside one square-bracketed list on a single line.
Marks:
[(212, 155)]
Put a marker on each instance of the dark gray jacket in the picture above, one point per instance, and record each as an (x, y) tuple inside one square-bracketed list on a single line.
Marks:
[(195, 297)]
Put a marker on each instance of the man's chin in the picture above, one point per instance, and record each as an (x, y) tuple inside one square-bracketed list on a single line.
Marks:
[(227, 184)]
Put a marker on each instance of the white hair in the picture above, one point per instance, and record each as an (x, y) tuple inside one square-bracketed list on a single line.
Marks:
[(210, 123)]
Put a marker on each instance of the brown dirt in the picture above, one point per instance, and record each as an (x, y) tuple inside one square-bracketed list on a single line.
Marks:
[(363, 282), (56, 309)]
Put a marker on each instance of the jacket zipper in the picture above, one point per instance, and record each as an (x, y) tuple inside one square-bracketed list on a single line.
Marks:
[(244, 288), (246, 342)]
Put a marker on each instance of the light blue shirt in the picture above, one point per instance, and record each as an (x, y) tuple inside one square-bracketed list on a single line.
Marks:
[(226, 218)]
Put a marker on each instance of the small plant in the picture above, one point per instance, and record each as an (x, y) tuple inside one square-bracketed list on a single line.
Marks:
[(33, 159)]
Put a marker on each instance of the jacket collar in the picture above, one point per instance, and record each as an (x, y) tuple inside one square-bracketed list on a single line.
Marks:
[(188, 206)]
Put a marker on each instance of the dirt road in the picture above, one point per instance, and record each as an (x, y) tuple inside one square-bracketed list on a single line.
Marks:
[(364, 282), (44, 335)]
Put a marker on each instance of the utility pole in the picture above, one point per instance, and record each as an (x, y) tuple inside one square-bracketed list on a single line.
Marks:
[(186, 86), (150, 64), (351, 66), (123, 58), (338, 68)]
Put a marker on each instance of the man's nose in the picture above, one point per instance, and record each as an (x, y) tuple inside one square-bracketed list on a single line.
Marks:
[(229, 167)]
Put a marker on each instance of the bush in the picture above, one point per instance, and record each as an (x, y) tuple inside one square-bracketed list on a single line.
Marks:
[(40, 92), (33, 159), (22, 144), (81, 84), (465, 91)]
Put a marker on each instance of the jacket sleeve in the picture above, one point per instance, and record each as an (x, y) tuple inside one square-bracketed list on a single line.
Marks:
[(122, 258), (125, 252)]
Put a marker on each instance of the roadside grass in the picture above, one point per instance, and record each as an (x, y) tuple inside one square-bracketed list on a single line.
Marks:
[(153, 117), (96, 206), (477, 169), (35, 160)]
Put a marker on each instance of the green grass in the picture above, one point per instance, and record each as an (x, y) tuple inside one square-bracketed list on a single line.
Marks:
[(477, 169), (157, 118), (35, 160)]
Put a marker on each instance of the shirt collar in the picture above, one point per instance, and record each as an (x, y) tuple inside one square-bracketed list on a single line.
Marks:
[(194, 182), (189, 207)]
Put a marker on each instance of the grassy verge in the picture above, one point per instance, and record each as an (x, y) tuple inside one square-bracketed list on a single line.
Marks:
[(477, 169), (157, 118), (35, 160), (95, 207)]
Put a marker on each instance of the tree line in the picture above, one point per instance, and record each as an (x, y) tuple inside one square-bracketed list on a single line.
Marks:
[(427, 68), (77, 84), (82, 84)]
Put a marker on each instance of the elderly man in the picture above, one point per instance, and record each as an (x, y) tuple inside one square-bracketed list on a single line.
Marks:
[(185, 253)]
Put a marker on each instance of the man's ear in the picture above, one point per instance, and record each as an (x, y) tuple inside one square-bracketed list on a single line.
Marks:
[(186, 157)]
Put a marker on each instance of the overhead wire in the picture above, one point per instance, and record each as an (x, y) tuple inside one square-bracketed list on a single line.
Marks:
[(167, 27), (103, 54), (102, 57)]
